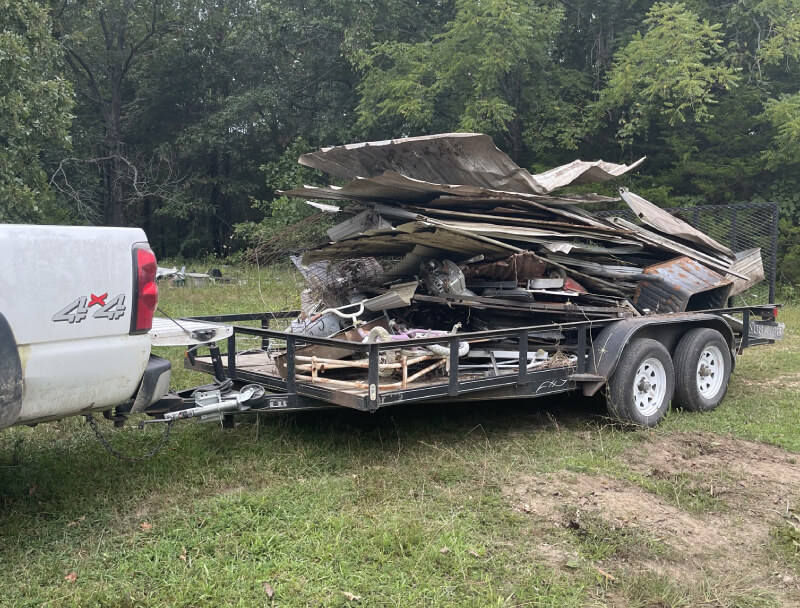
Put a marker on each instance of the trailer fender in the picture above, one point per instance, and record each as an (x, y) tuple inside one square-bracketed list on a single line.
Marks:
[(607, 348), (10, 376)]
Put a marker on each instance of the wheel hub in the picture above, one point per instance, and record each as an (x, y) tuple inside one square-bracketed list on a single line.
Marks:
[(710, 372), (650, 386)]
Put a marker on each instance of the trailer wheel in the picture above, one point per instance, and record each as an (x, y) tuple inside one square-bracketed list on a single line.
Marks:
[(702, 369), (641, 388)]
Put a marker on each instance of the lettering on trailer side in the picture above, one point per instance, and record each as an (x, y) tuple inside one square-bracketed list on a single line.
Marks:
[(548, 385)]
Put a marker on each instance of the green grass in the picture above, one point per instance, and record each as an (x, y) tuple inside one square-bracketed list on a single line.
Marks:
[(786, 539), (762, 400), (413, 506), (599, 539)]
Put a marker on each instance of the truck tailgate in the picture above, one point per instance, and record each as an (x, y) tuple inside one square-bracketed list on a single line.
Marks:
[(183, 332)]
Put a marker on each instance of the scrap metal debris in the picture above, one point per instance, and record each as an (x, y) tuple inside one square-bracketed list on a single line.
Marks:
[(465, 159), (447, 231)]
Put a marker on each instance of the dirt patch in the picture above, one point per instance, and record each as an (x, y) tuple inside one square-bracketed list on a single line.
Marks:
[(568, 497), (760, 479), (726, 539), (782, 382)]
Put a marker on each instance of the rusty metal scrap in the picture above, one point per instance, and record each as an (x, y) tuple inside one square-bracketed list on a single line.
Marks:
[(661, 220), (396, 187), (466, 159), (681, 284), (749, 264), (514, 249), (520, 267)]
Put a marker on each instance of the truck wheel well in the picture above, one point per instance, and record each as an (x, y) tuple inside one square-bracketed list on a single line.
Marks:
[(10, 376)]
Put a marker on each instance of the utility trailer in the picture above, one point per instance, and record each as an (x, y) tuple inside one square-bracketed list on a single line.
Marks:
[(447, 231), (644, 362)]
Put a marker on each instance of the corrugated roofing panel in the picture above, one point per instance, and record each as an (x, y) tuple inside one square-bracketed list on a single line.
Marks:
[(467, 159)]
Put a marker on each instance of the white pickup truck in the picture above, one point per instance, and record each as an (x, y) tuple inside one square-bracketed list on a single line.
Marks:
[(76, 309)]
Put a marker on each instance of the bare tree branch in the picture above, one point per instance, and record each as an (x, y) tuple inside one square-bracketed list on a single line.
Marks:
[(154, 177), (106, 34), (151, 30), (87, 73)]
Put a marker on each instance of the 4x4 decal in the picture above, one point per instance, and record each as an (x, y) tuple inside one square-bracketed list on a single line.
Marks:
[(77, 310)]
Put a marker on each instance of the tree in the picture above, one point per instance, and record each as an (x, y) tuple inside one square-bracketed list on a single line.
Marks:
[(181, 106), (672, 70), (35, 108), (102, 41), (228, 92), (492, 68)]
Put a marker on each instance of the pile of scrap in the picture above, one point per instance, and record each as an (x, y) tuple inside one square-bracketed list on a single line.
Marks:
[(447, 229)]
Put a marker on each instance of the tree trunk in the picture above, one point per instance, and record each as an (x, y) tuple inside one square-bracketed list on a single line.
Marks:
[(115, 196), (214, 196)]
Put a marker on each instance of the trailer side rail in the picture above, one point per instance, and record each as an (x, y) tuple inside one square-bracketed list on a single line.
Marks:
[(571, 338)]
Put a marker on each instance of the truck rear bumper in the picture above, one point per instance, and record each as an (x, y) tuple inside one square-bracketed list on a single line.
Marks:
[(154, 385), (186, 332)]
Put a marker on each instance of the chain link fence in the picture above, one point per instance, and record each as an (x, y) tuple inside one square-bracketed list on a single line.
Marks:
[(739, 227)]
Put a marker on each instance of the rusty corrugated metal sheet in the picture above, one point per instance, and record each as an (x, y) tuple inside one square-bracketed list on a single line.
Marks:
[(680, 285), (583, 172), (750, 264), (393, 187), (403, 239)]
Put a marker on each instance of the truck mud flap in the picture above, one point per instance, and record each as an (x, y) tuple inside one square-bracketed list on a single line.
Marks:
[(10, 376)]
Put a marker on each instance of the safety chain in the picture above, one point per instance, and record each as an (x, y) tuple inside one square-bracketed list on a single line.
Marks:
[(93, 423)]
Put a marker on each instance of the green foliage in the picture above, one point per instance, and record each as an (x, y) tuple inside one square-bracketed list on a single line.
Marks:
[(288, 223), (478, 74), (35, 108), (789, 252), (215, 95), (784, 115), (672, 70), (228, 92), (285, 172), (782, 26)]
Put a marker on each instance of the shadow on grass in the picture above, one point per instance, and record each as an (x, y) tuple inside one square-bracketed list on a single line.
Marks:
[(568, 410), (43, 468)]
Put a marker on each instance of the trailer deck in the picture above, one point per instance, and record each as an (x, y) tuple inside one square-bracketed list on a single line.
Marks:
[(574, 359)]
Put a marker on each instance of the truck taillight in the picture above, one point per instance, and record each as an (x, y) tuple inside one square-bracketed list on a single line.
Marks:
[(145, 289)]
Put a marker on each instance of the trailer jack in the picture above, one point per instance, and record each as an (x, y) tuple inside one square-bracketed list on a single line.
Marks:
[(213, 406)]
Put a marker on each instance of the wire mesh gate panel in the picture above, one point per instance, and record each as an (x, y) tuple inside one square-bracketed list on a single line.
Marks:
[(738, 226)]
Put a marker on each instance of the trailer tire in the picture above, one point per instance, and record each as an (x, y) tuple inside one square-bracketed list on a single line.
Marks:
[(702, 370), (642, 386)]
